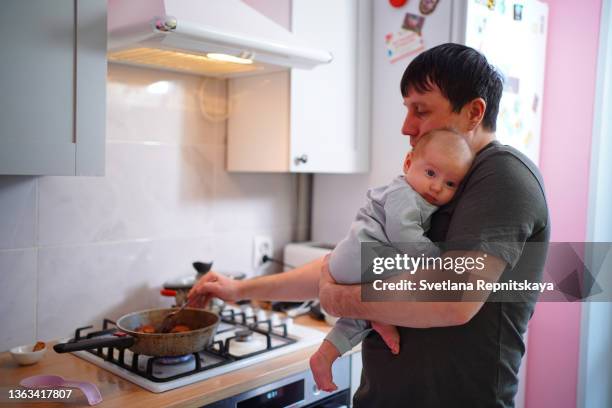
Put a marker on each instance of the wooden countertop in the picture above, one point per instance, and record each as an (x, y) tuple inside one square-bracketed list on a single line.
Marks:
[(117, 392)]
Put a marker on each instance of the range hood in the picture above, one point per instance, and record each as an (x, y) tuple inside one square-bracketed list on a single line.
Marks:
[(223, 38)]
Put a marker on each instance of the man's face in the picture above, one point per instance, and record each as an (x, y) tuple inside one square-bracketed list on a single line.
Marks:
[(428, 111)]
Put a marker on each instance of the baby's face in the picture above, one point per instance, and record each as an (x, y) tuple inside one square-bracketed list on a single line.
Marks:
[(434, 176)]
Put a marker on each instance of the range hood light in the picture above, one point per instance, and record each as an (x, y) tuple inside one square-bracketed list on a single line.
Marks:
[(244, 58), (159, 88), (190, 35)]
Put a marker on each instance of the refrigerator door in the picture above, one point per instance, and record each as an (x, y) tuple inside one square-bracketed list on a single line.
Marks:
[(512, 35)]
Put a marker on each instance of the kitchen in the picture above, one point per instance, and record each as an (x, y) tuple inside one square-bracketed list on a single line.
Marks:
[(75, 250)]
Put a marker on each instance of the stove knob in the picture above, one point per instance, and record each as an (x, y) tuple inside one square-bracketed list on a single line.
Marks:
[(248, 311), (261, 315), (288, 321), (275, 319)]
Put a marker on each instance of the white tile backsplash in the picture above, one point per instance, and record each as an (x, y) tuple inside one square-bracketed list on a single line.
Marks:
[(83, 248), (17, 212), (229, 249), (109, 280), (187, 110), (253, 201), (148, 192), (18, 296)]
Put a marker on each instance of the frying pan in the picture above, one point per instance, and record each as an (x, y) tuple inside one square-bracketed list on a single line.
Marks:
[(202, 323)]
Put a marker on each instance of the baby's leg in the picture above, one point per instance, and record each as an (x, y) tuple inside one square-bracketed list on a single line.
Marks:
[(321, 365), (389, 334)]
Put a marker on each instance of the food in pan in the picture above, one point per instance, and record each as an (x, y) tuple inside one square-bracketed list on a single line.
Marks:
[(180, 328), (147, 328)]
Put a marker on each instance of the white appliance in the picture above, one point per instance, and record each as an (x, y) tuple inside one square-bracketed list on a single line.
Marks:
[(225, 38), (300, 253), (512, 35)]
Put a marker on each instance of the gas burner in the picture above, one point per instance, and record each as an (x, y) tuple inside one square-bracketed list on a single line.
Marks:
[(175, 359), (244, 336)]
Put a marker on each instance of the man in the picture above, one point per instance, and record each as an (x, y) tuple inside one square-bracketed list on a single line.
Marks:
[(452, 354)]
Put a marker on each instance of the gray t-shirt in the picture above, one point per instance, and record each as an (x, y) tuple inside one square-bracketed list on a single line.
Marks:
[(500, 206)]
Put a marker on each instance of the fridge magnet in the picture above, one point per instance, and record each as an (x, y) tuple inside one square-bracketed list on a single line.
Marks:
[(491, 4), (403, 44), (511, 84), (518, 12), (413, 22), (528, 138), (535, 103), (398, 3), (427, 6)]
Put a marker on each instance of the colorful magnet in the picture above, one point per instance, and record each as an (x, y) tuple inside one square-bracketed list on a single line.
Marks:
[(413, 22), (535, 103), (511, 84), (403, 44), (518, 12), (427, 6), (491, 4), (398, 3)]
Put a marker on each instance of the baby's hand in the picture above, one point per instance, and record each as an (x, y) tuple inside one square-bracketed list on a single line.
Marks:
[(389, 334)]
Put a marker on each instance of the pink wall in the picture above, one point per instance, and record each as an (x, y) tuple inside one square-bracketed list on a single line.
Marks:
[(569, 91)]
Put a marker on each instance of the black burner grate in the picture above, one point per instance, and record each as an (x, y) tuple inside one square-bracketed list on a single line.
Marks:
[(218, 349)]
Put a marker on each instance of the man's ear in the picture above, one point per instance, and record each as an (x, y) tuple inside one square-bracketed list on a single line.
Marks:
[(474, 112), (407, 162)]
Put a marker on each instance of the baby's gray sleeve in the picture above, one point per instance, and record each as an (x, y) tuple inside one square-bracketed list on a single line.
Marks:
[(406, 222), (347, 333), (345, 260)]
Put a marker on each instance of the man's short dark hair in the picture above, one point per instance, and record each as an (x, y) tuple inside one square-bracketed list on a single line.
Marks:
[(461, 73)]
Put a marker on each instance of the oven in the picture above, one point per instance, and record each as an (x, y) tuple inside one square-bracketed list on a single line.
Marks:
[(298, 390)]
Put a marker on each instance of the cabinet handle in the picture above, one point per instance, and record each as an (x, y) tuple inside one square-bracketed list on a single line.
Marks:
[(301, 159)]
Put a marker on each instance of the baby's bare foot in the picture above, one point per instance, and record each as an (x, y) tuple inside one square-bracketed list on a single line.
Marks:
[(389, 334), (321, 363)]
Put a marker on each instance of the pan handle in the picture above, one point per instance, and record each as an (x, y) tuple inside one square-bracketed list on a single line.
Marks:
[(119, 342)]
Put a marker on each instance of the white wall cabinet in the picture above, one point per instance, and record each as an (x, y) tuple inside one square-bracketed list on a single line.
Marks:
[(309, 121), (53, 81)]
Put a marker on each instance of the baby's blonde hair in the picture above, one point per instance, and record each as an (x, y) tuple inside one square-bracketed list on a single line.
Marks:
[(448, 141)]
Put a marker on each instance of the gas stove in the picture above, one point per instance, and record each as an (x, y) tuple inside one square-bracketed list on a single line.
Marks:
[(244, 337)]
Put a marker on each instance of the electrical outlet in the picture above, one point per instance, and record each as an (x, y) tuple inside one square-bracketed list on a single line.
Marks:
[(262, 245)]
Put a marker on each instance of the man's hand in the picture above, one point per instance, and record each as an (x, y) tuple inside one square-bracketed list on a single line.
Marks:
[(213, 285)]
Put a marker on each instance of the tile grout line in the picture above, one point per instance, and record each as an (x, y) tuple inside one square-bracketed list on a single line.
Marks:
[(36, 248)]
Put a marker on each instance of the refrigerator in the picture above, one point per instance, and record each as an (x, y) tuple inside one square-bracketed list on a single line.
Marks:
[(511, 34)]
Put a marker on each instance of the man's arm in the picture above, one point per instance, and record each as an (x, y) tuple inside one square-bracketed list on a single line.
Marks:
[(345, 300), (301, 283), (298, 284)]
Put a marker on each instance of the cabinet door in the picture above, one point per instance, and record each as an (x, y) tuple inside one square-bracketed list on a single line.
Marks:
[(52, 76), (330, 103)]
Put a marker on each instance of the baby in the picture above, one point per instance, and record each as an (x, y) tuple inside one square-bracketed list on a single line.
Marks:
[(396, 213)]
